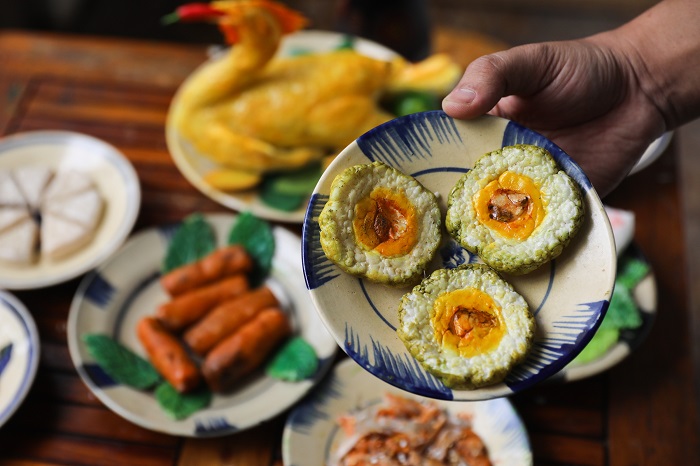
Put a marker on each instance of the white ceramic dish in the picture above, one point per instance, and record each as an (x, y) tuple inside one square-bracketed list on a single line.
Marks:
[(115, 296), (19, 354), (311, 434), (653, 152), (116, 181), (568, 296), (194, 165)]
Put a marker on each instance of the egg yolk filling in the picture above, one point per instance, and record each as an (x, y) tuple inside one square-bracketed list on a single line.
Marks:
[(385, 221), (510, 205), (467, 322)]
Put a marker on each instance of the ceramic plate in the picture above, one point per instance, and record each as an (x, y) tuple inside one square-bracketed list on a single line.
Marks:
[(115, 296), (644, 294), (194, 165), (115, 178), (19, 354), (312, 434), (568, 296), (653, 152)]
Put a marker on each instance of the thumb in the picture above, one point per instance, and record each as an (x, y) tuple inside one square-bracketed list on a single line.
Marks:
[(517, 71)]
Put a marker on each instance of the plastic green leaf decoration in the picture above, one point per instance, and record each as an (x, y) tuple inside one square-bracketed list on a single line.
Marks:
[(193, 240), (295, 361), (632, 272), (279, 201), (256, 236), (120, 363), (622, 312), (181, 405)]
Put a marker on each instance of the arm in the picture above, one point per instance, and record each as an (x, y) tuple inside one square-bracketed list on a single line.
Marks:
[(603, 99)]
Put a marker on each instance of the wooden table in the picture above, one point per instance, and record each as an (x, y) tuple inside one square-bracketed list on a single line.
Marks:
[(643, 411)]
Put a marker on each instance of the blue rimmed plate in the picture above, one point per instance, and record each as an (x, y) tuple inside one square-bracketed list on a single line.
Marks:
[(113, 298), (19, 354), (312, 435), (568, 296)]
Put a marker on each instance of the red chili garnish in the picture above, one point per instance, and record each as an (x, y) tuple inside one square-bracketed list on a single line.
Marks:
[(193, 12)]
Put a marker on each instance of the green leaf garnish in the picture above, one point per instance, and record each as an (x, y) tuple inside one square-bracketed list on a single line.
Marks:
[(255, 235), (120, 363), (346, 43), (288, 191), (622, 312), (298, 182), (295, 361), (407, 102), (193, 240), (283, 202), (632, 272), (601, 342), (181, 405)]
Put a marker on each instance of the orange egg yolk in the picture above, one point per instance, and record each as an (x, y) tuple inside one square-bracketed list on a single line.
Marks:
[(510, 205), (385, 221), (467, 322)]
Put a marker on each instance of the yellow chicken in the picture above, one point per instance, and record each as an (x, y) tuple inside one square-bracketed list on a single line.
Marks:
[(252, 112)]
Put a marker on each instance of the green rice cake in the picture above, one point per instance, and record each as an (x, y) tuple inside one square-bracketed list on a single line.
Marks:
[(467, 326), (380, 224), (515, 209)]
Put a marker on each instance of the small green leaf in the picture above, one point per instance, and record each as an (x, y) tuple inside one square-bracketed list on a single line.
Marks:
[(622, 312), (346, 43), (256, 236), (120, 363), (405, 103), (181, 405), (295, 361), (193, 240), (298, 182), (632, 271), (602, 341), (283, 202)]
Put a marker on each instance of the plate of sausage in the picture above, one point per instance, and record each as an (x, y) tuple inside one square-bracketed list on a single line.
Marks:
[(192, 337)]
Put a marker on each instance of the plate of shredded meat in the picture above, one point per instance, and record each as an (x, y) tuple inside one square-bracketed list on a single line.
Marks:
[(354, 418)]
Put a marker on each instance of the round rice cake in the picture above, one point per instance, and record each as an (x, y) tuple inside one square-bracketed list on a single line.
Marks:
[(467, 326), (515, 209), (380, 224)]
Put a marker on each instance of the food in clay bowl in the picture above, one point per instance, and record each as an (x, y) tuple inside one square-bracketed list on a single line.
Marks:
[(200, 329), (536, 313)]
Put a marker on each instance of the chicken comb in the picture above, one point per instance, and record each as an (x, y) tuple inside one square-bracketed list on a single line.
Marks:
[(288, 19)]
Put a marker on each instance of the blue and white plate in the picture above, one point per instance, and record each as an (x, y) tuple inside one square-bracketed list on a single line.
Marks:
[(312, 435), (569, 296), (113, 298), (19, 354)]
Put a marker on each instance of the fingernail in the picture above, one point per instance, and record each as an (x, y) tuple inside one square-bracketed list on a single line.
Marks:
[(461, 95)]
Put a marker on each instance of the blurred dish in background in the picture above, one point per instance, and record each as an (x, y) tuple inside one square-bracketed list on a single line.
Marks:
[(112, 300), (653, 152), (312, 434), (261, 137), (85, 170), (19, 354), (632, 309)]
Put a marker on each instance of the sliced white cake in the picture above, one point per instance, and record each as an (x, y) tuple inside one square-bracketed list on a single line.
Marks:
[(32, 181), (9, 191), (61, 237), (18, 243)]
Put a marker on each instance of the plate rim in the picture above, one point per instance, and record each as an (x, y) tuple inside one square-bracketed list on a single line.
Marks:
[(132, 187), (170, 427), (339, 372), (22, 312)]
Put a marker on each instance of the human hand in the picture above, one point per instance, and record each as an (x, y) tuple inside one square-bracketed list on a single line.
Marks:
[(584, 95)]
